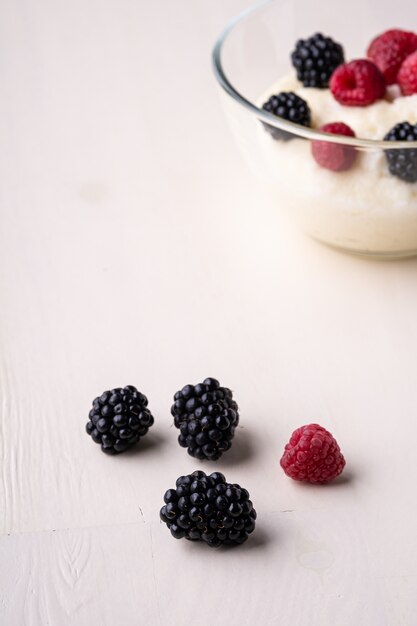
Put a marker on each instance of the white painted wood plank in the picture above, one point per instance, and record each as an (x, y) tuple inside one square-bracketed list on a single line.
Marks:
[(129, 253), (303, 566), (78, 576)]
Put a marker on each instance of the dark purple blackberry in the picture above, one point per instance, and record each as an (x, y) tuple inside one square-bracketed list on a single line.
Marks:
[(209, 509), (315, 60), (403, 162), (290, 107), (207, 416), (118, 419)]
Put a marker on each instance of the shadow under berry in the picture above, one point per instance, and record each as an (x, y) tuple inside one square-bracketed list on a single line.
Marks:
[(260, 539), (152, 441), (344, 480), (242, 448)]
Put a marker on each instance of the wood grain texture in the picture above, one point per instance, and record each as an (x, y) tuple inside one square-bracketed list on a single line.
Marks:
[(78, 576), (135, 248)]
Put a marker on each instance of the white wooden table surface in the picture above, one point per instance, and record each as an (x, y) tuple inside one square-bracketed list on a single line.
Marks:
[(135, 248)]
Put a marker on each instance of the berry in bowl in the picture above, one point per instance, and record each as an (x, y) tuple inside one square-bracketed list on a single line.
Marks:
[(325, 111)]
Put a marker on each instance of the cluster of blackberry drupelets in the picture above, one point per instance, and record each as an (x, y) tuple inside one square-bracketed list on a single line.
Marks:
[(206, 416), (315, 60), (402, 163), (209, 509), (205, 507), (290, 107), (118, 419)]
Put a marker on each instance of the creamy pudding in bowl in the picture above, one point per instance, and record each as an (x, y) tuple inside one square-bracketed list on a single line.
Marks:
[(363, 209), (335, 136)]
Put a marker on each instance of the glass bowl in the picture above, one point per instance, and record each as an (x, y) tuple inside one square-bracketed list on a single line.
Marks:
[(365, 209)]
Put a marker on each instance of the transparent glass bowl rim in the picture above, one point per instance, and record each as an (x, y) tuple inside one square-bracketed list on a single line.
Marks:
[(295, 129)]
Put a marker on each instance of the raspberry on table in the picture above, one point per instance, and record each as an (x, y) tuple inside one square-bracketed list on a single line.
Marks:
[(290, 107), (334, 156), (358, 83), (390, 49), (402, 162), (119, 418), (407, 75), (312, 455), (207, 508), (206, 416), (315, 59)]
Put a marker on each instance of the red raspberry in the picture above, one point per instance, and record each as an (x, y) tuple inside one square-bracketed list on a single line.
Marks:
[(407, 76), (334, 156), (357, 84), (390, 49), (312, 455)]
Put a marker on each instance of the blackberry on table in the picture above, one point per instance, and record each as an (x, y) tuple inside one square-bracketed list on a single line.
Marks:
[(206, 416), (402, 163), (315, 60), (118, 419), (290, 107), (207, 508)]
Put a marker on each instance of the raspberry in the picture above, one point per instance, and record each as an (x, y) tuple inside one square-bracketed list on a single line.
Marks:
[(389, 50), (407, 76), (312, 455), (358, 83), (334, 156)]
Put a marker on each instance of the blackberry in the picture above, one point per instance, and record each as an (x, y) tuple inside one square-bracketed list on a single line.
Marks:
[(315, 60), (206, 416), (290, 107), (118, 419), (209, 509), (403, 162)]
